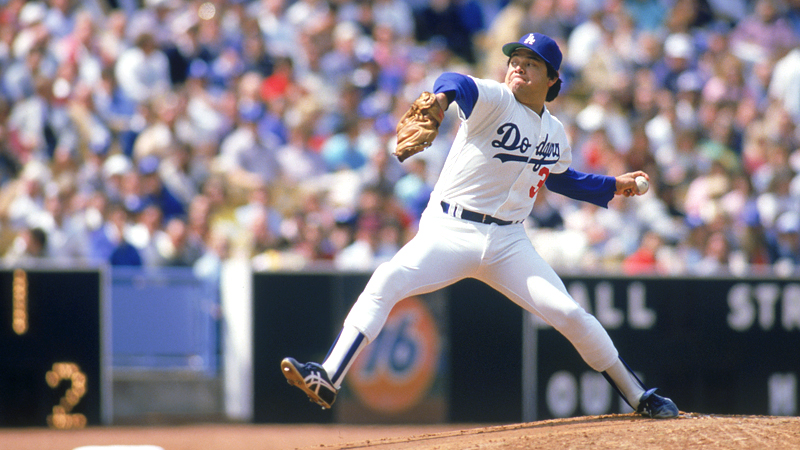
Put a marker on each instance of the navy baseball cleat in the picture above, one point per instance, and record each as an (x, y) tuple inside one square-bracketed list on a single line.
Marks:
[(312, 379), (656, 406)]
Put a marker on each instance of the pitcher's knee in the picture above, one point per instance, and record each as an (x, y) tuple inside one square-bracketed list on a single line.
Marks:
[(388, 281), (573, 318)]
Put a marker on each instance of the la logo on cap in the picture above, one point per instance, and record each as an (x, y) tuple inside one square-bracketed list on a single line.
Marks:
[(530, 39)]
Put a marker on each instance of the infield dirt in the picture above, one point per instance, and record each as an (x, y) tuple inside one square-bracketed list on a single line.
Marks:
[(619, 431)]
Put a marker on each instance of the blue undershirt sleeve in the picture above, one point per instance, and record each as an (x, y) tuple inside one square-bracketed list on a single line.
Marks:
[(587, 187), (458, 87)]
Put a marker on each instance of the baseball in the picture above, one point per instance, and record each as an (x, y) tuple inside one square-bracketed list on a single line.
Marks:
[(642, 185)]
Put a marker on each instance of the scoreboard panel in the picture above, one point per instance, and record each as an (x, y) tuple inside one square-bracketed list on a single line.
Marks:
[(54, 348), (726, 345)]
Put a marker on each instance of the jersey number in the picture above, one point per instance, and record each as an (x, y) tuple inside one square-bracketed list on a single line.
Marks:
[(543, 173)]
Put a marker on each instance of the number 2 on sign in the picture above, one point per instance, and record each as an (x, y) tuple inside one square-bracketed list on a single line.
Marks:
[(62, 417), (543, 173)]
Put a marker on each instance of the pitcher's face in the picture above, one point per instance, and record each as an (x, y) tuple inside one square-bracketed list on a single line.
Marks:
[(526, 76)]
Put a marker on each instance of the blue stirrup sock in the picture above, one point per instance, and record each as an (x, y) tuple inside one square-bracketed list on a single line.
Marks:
[(343, 352)]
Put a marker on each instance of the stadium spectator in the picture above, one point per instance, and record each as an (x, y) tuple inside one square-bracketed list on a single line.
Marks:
[(29, 248), (456, 22), (345, 149), (175, 246), (155, 192), (784, 243), (107, 240), (248, 162), (763, 33), (644, 261), (413, 190), (142, 70)]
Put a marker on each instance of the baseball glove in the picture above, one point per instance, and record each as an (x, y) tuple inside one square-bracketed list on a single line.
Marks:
[(419, 126)]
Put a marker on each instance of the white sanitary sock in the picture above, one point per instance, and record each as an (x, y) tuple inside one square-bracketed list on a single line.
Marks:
[(626, 382), (343, 352)]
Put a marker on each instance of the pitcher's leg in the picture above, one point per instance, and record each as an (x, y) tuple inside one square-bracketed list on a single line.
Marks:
[(531, 283), (428, 262), (524, 277)]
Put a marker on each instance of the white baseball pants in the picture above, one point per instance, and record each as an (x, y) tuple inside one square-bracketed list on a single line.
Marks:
[(447, 249)]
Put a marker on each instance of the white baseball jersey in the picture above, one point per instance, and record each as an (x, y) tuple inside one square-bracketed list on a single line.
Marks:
[(501, 156)]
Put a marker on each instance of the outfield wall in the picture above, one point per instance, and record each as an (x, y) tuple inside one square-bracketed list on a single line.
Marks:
[(461, 354), (723, 346)]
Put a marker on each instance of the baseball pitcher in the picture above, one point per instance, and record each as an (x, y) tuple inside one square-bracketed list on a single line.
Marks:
[(507, 149)]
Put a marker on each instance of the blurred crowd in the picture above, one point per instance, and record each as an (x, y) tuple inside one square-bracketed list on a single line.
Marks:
[(182, 133)]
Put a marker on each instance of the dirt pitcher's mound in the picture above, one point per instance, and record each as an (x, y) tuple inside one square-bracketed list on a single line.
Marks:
[(626, 431), (619, 431)]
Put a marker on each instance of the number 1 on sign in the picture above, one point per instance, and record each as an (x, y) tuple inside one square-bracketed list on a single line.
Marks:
[(19, 302)]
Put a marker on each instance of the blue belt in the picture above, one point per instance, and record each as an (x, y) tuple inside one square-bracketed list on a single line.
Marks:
[(473, 216)]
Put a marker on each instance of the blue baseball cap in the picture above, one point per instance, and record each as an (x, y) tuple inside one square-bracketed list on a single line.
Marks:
[(542, 45)]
